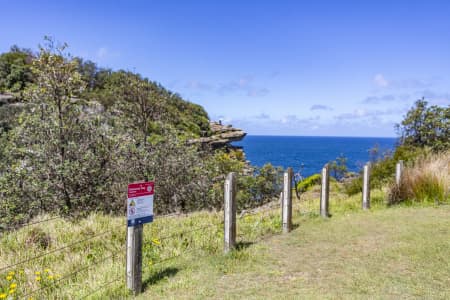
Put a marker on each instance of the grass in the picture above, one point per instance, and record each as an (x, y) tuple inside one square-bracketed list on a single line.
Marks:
[(427, 180), (397, 252)]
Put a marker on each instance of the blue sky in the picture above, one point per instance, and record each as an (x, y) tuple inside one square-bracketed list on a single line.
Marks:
[(336, 68)]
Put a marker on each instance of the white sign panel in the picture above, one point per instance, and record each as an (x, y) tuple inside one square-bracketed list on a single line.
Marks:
[(140, 203)]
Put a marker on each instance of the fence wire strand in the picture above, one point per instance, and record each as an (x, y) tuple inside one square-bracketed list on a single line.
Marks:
[(268, 207), (19, 226), (258, 210), (102, 287), (187, 231), (71, 274), (53, 251)]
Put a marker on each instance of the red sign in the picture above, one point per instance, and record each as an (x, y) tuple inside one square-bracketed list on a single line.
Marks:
[(141, 189)]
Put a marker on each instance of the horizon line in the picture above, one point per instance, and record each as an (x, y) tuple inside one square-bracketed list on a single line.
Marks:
[(331, 136)]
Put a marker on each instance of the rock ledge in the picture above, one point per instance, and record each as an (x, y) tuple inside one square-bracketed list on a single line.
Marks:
[(222, 136)]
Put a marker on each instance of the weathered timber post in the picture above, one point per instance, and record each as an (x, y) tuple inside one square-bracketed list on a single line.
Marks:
[(230, 212), (134, 258), (366, 187), (399, 172), (287, 201), (281, 204), (325, 191)]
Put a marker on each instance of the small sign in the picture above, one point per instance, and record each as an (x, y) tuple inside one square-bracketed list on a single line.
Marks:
[(140, 203)]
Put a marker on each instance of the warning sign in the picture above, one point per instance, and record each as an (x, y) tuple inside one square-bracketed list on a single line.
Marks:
[(140, 203)]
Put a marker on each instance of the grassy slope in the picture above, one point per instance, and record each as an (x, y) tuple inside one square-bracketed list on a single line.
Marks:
[(395, 253), (385, 253)]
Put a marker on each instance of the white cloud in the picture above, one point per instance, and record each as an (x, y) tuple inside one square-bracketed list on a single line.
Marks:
[(244, 86), (405, 83), (364, 114), (380, 81), (320, 107), (197, 85), (379, 99), (262, 116)]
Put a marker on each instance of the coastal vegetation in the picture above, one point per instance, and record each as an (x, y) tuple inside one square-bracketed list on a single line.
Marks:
[(427, 179), (307, 183), (74, 135), (423, 147)]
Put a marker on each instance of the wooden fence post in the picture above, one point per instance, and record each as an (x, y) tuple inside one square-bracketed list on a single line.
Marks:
[(325, 191), (287, 201), (134, 258), (281, 203), (399, 172), (366, 187), (230, 212)]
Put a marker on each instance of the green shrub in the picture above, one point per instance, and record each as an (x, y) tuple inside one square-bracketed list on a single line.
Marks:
[(353, 186), (260, 188), (383, 170), (308, 182)]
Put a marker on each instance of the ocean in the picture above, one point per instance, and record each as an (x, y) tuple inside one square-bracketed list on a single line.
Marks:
[(311, 152)]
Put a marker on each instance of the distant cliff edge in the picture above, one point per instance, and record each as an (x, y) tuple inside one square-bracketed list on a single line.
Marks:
[(221, 136)]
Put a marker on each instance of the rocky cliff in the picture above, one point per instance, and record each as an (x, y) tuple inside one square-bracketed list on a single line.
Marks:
[(221, 136)]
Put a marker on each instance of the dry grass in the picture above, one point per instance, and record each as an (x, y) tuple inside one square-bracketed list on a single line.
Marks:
[(428, 180)]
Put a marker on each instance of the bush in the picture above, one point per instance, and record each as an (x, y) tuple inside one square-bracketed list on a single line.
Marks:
[(428, 180), (260, 188), (383, 169), (308, 182), (353, 186)]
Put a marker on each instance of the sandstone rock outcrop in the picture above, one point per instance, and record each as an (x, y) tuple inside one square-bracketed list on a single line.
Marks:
[(222, 136)]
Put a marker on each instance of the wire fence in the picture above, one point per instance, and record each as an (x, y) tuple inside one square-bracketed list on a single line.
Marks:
[(43, 254), (262, 209), (18, 226), (70, 275), (183, 253), (186, 232), (4, 228), (161, 261), (91, 265), (101, 287)]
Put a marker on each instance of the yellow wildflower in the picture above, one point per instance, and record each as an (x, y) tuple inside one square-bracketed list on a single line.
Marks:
[(50, 277), (9, 277), (37, 273), (12, 292), (13, 286), (11, 273), (156, 242), (47, 270), (150, 263), (3, 296), (38, 278)]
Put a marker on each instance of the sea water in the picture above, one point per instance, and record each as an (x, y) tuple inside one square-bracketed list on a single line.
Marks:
[(309, 154)]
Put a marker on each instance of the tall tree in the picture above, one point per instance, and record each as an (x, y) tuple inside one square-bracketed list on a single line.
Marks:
[(15, 72), (426, 126), (63, 150)]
